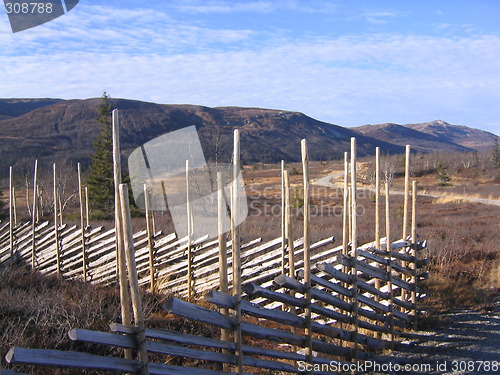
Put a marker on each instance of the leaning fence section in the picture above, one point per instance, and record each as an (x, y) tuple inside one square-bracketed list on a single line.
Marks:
[(273, 322), (295, 306)]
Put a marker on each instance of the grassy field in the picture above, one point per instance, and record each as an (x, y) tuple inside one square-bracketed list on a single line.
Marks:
[(38, 311)]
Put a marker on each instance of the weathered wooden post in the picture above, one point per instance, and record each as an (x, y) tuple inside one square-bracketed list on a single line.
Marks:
[(82, 224), (33, 227), (283, 238), (189, 216), (221, 212), (128, 239), (14, 204), (307, 254), (11, 215), (377, 210), (121, 266), (236, 253), (354, 244), (406, 208), (407, 193), (389, 258), (414, 254), (56, 224), (223, 277), (289, 226), (87, 206), (150, 240), (377, 198), (345, 211)]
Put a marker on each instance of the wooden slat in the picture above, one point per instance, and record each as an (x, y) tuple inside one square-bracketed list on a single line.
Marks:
[(56, 358), (197, 313), (184, 338), (203, 355), (286, 318), (287, 282), (103, 338), (12, 372)]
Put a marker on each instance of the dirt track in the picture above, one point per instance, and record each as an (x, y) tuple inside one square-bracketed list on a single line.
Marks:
[(466, 345), (335, 180)]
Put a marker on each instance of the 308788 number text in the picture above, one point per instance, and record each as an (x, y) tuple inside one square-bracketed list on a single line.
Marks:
[(28, 8)]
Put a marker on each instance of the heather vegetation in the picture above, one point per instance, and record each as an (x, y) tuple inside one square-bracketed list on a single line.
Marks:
[(464, 268)]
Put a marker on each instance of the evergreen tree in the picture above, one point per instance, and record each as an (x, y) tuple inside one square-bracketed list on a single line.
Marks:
[(444, 179), (496, 154), (100, 177)]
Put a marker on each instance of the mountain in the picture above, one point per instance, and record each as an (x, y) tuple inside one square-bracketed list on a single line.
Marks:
[(458, 134), (16, 107), (64, 131), (55, 130), (403, 135)]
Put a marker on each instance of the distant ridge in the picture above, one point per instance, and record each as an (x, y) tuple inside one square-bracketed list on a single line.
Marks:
[(403, 135), (459, 134)]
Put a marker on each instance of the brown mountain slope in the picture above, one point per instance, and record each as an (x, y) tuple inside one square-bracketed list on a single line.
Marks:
[(402, 135), (458, 134), (17, 107), (65, 130)]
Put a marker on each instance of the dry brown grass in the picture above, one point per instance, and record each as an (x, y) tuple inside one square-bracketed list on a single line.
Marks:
[(37, 311)]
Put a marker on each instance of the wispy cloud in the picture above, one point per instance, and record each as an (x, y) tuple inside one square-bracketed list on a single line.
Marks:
[(380, 18), (348, 80), (207, 7)]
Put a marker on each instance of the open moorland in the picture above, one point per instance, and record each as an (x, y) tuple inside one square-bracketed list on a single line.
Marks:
[(463, 235)]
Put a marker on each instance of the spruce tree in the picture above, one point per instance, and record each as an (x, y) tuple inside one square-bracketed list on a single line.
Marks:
[(495, 157), (100, 177)]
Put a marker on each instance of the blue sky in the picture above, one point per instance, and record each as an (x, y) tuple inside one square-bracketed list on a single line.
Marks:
[(345, 62)]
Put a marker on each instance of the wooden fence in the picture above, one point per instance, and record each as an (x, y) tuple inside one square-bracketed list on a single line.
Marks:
[(315, 313), (275, 321)]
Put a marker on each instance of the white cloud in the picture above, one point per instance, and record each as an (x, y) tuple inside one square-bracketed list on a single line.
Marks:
[(349, 80), (206, 7)]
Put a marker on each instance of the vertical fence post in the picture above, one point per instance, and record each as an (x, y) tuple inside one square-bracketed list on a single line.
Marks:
[(56, 224), (37, 195), (345, 211), (33, 227), (221, 236), (406, 209), (14, 204), (82, 224), (121, 267), (307, 254), (354, 243), (377, 198), (414, 253), (346, 216), (11, 215), (283, 238), (389, 263), (236, 253), (150, 240), (128, 241), (190, 231), (377, 210), (289, 226), (407, 193), (87, 206)]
